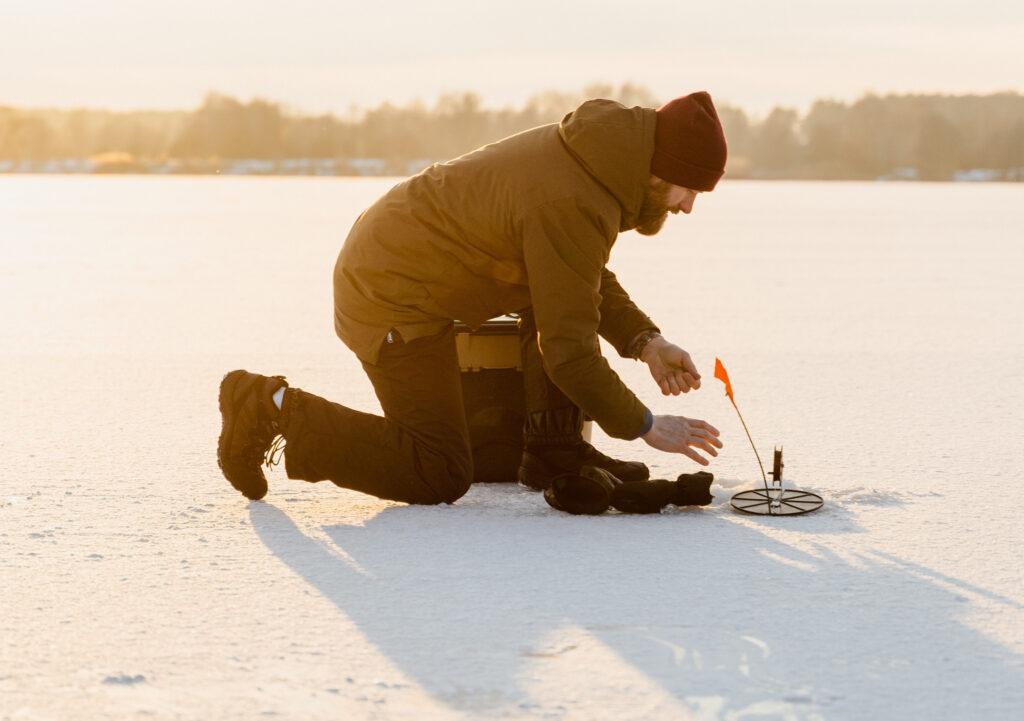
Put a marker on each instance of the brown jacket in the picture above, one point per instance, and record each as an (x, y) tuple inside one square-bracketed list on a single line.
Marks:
[(527, 221)]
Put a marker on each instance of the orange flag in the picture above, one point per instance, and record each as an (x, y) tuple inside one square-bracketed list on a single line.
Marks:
[(722, 375)]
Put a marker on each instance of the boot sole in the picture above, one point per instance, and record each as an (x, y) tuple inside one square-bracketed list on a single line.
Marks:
[(227, 423)]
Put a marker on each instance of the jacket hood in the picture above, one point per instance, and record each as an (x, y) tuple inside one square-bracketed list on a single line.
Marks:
[(615, 144)]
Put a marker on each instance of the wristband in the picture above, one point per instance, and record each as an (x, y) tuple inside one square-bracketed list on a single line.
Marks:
[(641, 342)]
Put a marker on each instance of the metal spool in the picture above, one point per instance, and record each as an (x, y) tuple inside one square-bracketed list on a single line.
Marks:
[(776, 500)]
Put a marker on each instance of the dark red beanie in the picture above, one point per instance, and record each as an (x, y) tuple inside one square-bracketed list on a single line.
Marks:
[(689, 145)]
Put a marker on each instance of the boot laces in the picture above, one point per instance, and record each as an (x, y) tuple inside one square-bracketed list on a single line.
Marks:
[(272, 457), (265, 444), (270, 433)]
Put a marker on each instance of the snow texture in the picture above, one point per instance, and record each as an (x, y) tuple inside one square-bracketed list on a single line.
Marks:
[(875, 331)]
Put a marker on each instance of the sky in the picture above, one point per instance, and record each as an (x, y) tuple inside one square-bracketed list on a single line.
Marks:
[(317, 55)]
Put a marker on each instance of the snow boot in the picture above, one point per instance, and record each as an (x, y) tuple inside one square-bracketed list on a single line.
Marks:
[(587, 492), (541, 464), (248, 427), (554, 445), (690, 489)]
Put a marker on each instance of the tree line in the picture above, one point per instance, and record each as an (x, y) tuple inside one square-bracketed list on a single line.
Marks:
[(930, 137)]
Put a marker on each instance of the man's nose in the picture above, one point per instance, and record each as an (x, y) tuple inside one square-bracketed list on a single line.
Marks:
[(687, 205)]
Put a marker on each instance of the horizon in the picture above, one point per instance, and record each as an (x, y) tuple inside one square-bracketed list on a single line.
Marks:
[(314, 58), (431, 102)]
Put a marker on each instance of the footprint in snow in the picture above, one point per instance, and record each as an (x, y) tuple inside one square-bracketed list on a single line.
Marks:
[(124, 680)]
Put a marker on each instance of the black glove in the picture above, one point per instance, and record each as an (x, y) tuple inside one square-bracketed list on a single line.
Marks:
[(693, 489), (690, 489), (593, 490)]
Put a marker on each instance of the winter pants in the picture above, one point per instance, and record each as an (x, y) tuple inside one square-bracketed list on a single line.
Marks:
[(419, 452)]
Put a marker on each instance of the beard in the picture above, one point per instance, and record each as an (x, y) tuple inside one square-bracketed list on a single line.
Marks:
[(654, 209)]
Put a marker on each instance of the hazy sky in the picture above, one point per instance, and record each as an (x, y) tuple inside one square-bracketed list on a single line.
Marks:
[(317, 55)]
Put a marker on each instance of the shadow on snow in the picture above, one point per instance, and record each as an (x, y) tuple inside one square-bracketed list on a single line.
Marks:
[(725, 618)]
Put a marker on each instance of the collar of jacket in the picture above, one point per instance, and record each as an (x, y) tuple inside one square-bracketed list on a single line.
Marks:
[(614, 144)]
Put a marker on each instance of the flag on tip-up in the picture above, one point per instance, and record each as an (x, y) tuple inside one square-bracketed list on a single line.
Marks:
[(722, 375)]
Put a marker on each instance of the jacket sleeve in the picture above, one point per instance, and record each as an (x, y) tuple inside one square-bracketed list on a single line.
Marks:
[(565, 253), (621, 321)]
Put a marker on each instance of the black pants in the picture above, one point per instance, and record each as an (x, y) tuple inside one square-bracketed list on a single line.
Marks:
[(419, 452)]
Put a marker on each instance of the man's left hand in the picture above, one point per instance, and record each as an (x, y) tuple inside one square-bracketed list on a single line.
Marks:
[(670, 366)]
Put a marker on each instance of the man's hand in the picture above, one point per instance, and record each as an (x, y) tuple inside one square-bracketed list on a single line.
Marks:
[(675, 434), (671, 367)]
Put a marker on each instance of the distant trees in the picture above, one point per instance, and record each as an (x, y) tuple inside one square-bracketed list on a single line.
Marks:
[(925, 136), (50, 134), (24, 137), (775, 146), (226, 128)]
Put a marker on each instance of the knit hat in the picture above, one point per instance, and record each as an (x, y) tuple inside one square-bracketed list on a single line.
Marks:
[(689, 145)]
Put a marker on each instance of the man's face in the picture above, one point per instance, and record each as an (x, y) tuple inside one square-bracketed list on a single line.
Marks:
[(661, 199)]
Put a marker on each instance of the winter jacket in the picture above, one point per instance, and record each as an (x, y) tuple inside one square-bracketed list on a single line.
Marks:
[(526, 221)]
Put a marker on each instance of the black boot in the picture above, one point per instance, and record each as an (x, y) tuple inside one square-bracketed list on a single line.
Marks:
[(554, 445), (553, 430), (248, 426), (541, 463)]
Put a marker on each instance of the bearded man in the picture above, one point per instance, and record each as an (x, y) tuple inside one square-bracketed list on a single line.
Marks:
[(524, 225)]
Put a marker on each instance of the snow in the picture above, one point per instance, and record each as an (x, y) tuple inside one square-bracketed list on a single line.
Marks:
[(886, 358)]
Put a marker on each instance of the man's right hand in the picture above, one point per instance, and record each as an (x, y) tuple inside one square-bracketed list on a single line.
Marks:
[(675, 434)]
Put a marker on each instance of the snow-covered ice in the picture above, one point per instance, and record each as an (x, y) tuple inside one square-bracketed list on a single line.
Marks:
[(874, 330)]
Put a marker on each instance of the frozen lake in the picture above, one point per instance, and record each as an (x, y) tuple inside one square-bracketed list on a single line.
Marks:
[(876, 330)]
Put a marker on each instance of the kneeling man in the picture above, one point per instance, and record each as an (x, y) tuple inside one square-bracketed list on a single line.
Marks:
[(524, 226)]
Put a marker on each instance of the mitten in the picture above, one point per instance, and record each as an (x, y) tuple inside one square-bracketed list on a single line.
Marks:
[(588, 492), (690, 489), (693, 489)]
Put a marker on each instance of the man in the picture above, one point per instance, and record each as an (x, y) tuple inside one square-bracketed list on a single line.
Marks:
[(523, 225)]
